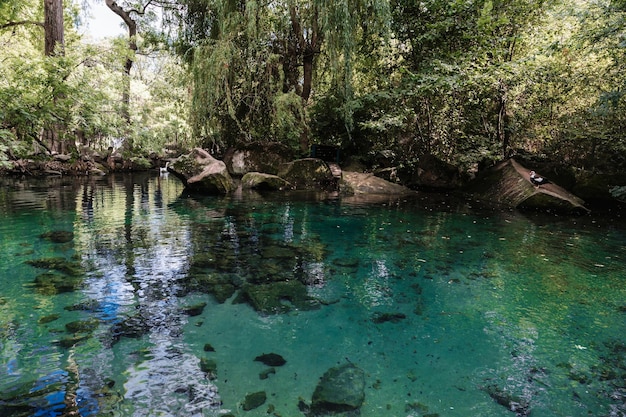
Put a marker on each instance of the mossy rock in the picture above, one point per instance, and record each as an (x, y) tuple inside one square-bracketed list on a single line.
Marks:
[(209, 366), (265, 182), (309, 174), (58, 236), (194, 310), (257, 157), (59, 264), (341, 389), (49, 318), (202, 173), (50, 283), (277, 297), (254, 400), (82, 326)]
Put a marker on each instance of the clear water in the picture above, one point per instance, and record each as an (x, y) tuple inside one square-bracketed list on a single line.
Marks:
[(495, 305)]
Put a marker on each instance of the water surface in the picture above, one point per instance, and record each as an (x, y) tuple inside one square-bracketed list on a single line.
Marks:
[(154, 305)]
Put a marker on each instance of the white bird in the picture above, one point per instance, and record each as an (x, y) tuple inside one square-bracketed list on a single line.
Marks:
[(163, 170), (536, 179)]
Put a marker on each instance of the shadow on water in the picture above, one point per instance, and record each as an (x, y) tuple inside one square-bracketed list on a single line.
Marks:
[(125, 296)]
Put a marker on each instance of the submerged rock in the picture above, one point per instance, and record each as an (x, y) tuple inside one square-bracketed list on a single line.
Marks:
[(380, 317), (59, 264), (58, 236), (194, 310), (341, 389), (254, 400), (50, 283), (512, 402), (271, 359), (277, 297)]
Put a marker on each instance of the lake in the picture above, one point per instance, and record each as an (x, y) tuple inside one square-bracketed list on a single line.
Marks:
[(123, 296)]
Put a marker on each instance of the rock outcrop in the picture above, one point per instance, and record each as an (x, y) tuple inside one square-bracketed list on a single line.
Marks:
[(355, 183), (508, 184), (202, 173), (309, 173), (264, 182), (257, 157)]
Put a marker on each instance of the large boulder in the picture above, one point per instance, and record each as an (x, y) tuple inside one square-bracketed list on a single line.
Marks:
[(264, 182), (257, 157), (340, 390), (355, 183), (431, 173), (309, 174), (508, 184), (202, 173)]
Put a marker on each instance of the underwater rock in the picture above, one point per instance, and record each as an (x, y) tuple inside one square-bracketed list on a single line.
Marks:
[(50, 283), (49, 318), (208, 347), (352, 263), (267, 372), (513, 403), (271, 359), (341, 389), (209, 367), (82, 326), (71, 268), (132, 327), (254, 400), (58, 236), (194, 310), (220, 286), (277, 297), (70, 341), (380, 317)]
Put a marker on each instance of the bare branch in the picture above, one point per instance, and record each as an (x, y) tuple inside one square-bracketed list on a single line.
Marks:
[(21, 23)]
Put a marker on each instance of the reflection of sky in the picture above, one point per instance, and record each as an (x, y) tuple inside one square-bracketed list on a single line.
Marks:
[(138, 250)]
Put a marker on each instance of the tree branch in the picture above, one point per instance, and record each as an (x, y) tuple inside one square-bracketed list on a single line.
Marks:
[(21, 23)]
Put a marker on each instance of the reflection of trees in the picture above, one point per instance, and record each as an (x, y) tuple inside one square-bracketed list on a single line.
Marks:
[(139, 255)]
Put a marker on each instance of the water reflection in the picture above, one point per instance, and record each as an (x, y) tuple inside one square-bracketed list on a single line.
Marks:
[(172, 297)]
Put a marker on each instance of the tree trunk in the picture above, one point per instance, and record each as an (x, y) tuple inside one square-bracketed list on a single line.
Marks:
[(53, 27), (132, 46), (54, 46)]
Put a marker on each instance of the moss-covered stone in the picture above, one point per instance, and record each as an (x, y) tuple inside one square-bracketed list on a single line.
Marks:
[(264, 182), (309, 173), (271, 359), (340, 389), (194, 310), (202, 173), (82, 326), (254, 400), (277, 297), (58, 236), (49, 318), (59, 264), (51, 283), (209, 367)]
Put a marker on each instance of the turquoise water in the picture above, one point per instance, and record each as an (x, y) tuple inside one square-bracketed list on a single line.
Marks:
[(152, 306)]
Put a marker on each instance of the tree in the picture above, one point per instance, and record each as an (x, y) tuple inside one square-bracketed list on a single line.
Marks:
[(255, 66)]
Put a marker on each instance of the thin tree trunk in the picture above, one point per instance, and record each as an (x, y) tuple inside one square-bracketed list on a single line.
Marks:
[(53, 46), (132, 46)]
